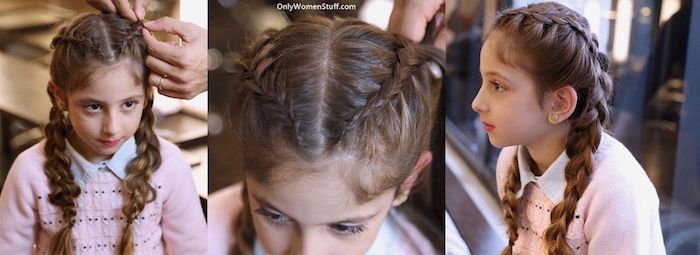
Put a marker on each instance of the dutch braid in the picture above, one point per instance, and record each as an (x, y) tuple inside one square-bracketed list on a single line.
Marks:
[(363, 93), (562, 32)]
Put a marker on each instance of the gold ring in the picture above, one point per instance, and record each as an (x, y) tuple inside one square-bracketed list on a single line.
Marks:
[(160, 83)]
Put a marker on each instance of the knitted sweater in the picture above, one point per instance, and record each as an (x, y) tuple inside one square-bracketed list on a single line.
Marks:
[(172, 224), (617, 214)]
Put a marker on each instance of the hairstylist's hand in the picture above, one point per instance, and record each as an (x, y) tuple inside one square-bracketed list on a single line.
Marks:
[(411, 17), (177, 71), (122, 7)]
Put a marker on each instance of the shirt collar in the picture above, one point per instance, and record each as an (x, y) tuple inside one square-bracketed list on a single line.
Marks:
[(83, 170), (552, 182)]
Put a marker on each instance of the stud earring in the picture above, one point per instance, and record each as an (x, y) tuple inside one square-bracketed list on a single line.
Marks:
[(401, 198), (555, 117)]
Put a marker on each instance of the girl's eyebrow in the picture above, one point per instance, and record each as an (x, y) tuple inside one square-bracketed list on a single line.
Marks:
[(92, 100), (497, 74), (267, 204), (358, 219)]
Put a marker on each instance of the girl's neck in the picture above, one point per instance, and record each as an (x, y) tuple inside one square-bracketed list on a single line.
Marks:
[(547, 150)]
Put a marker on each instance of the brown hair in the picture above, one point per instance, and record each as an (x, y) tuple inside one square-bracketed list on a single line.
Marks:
[(81, 49), (324, 89), (555, 46)]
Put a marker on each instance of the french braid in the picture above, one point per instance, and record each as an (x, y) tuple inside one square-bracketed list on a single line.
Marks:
[(572, 58)]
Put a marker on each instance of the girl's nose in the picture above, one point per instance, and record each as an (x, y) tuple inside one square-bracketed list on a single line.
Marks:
[(110, 124), (478, 104)]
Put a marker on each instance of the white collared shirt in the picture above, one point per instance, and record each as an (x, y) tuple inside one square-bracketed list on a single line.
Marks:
[(552, 182), (83, 170)]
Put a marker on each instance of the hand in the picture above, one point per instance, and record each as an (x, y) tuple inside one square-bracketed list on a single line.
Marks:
[(411, 17), (185, 65), (122, 7)]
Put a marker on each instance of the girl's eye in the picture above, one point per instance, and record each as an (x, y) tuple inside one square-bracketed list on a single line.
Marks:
[(272, 216), (129, 104), (92, 107), (498, 87), (345, 229)]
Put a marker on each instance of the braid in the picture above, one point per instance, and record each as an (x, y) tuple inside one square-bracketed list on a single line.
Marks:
[(139, 172), (64, 190), (540, 31), (85, 43), (510, 204), (364, 94)]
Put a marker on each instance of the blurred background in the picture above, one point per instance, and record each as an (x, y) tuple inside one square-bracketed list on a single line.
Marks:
[(656, 110), (26, 30)]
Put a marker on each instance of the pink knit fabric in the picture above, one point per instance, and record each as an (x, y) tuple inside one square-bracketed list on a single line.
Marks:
[(617, 214), (172, 224)]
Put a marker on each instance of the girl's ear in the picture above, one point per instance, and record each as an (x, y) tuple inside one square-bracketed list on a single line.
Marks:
[(58, 95), (563, 104), (402, 193)]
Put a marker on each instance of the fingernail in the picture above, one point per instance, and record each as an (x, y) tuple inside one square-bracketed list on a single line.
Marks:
[(148, 23), (140, 12)]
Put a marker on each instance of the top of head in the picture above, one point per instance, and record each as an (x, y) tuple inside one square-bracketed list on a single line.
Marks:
[(92, 41), (325, 89)]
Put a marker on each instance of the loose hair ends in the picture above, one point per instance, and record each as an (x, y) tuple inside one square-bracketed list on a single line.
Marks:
[(244, 231)]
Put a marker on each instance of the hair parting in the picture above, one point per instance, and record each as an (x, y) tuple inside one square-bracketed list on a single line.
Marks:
[(365, 96)]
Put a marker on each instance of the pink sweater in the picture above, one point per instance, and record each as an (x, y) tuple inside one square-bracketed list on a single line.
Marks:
[(172, 224), (617, 214)]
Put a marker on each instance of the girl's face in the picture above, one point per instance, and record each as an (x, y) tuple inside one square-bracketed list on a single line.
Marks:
[(315, 214), (105, 113), (507, 101)]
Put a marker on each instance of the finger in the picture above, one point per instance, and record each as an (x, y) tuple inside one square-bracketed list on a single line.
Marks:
[(415, 29), (140, 7), (104, 5), (124, 9), (185, 30), (161, 50), (161, 67), (167, 87)]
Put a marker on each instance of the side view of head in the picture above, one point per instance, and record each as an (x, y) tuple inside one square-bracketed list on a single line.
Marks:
[(335, 100), (554, 46), (100, 99)]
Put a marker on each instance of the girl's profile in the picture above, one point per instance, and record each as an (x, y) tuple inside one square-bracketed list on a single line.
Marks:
[(566, 186)]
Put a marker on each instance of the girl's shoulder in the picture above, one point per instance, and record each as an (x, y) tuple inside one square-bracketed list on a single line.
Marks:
[(223, 207), (172, 159), (617, 173), (31, 161), (169, 150)]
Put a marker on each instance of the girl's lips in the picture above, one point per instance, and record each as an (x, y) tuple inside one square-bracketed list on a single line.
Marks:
[(487, 127), (110, 143)]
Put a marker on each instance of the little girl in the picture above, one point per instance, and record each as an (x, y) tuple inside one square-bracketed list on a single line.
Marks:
[(334, 119), (567, 187), (101, 182)]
